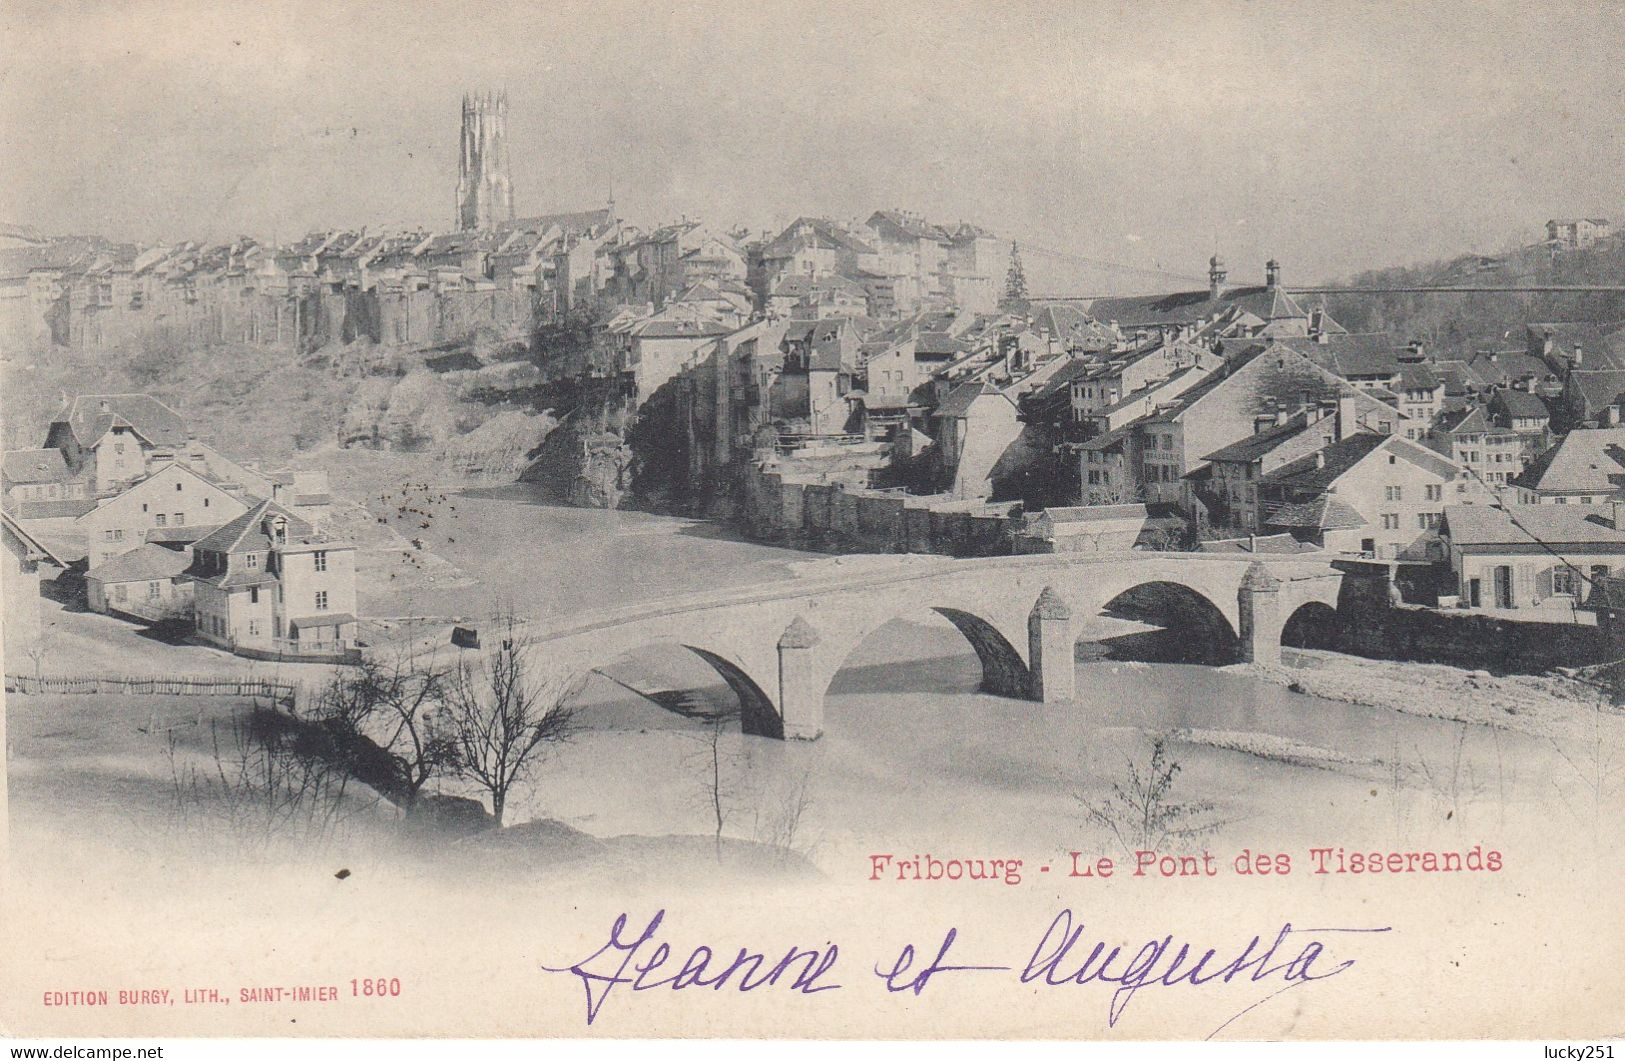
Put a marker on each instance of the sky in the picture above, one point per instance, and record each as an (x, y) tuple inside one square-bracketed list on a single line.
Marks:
[(1333, 136)]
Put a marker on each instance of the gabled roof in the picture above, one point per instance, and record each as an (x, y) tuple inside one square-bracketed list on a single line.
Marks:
[(959, 400), (1325, 466), (1188, 307), (1327, 512), (244, 533), (146, 562), (1351, 354), (1418, 377), (1499, 366), (1073, 327), (1554, 525), (814, 232), (578, 223), (31, 541), (939, 344), (1586, 461), (1471, 420), (1597, 389), (679, 329), (90, 416), (824, 336), (1521, 404), (908, 225), (1094, 513), (1258, 543), (24, 466), (1260, 443)]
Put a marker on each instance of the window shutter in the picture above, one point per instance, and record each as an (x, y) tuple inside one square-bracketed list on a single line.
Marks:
[(1522, 577), (1545, 585)]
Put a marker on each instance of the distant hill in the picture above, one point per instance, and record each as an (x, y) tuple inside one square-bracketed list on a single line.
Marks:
[(1464, 323)]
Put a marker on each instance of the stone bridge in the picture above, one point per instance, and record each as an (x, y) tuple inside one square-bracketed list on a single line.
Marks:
[(779, 645)]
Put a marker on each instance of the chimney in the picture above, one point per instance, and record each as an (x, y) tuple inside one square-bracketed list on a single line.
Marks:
[(1320, 459), (1272, 274), (1215, 276), (1252, 543), (1611, 415), (1348, 419), (1574, 362), (1414, 351), (1317, 324), (1616, 513), (1262, 423)]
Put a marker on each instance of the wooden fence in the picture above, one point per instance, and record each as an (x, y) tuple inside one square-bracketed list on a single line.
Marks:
[(278, 692)]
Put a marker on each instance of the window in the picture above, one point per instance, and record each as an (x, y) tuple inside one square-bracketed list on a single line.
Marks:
[(180, 519), (160, 520), (1392, 493), (119, 591), (118, 448), (107, 535), (143, 506), (205, 502), (252, 560), (253, 628), (118, 534), (1435, 491), (1427, 520), (1390, 521), (1565, 581), (320, 558), (1599, 571), (321, 600), (253, 594), (152, 591)]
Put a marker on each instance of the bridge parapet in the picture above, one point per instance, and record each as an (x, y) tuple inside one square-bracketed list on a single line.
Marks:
[(780, 645)]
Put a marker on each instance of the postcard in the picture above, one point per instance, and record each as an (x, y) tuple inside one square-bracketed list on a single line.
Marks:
[(813, 521)]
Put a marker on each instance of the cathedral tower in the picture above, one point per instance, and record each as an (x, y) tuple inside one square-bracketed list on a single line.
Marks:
[(484, 191)]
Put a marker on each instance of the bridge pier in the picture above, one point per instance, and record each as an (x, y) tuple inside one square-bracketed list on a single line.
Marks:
[(801, 701), (1259, 602), (1051, 649)]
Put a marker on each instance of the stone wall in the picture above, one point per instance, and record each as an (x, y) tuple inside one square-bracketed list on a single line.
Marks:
[(844, 515), (310, 321), (1371, 623)]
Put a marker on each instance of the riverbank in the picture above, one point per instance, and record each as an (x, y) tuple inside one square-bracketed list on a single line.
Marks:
[(1545, 706)]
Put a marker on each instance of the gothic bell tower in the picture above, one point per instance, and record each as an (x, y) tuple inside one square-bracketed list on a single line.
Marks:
[(484, 190)]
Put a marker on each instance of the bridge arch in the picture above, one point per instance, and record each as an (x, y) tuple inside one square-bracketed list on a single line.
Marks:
[(1314, 624), (758, 715), (1193, 626), (1003, 664)]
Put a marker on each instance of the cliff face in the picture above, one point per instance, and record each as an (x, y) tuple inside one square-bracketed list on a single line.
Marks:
[(582, 465)]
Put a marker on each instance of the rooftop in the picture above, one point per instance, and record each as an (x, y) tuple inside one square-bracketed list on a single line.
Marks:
[(1554, 525), (144, 563)]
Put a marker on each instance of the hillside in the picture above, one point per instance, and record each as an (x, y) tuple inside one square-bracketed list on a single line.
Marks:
[(467, 410), (1459, 324)]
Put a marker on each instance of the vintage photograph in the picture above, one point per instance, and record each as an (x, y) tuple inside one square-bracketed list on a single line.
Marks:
[(559, 519)]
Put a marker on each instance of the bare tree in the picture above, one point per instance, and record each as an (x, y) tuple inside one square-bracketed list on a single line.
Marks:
[(397, 703), (505, 713), (260, 787), (1141, 812), (37, 651), (719, 795)]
